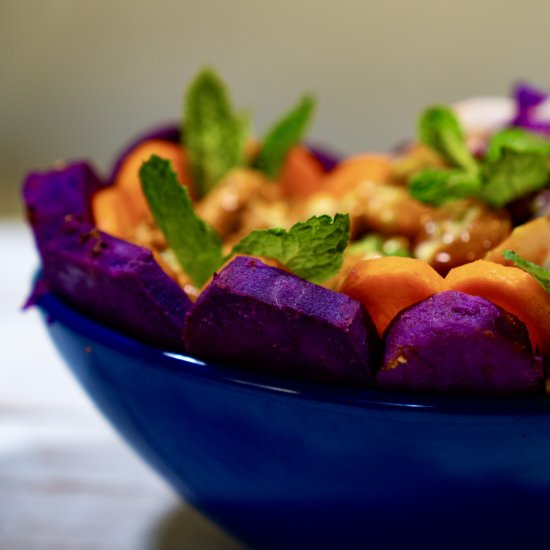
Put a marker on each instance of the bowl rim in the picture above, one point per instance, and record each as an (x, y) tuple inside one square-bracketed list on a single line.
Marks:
[(55, 309)]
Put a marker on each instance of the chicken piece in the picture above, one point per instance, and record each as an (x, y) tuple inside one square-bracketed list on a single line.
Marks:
[(224, 207), (460, 232), (373, 206), (416, 158)]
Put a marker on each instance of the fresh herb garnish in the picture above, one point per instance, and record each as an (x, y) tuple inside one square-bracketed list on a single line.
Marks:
[(282, 136), (440, 129), (312, 250), (516, 163), (197, 247), (438, 186), (215, 135), (541, 274)]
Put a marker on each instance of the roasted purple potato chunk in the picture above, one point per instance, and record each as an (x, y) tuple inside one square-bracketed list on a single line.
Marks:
[(457, 343), (117, 283), (63, 192), (263, 318), (113, 281)]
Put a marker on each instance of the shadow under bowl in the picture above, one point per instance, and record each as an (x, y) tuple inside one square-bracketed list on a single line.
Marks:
[(281, 463)]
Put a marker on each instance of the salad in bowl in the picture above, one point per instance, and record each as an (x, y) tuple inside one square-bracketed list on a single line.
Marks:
[(420, 270)]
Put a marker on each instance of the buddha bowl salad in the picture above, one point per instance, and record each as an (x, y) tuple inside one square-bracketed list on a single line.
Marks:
[(421, 270)]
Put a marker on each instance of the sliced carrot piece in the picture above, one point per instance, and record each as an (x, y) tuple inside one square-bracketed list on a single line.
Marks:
[(302, 174), (127, 179), (510, 288), (120, 207), (385, 286), (354, 170), (530, 240), (110, 213)]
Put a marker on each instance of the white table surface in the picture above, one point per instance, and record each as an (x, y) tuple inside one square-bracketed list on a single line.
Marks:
[(67, 481)]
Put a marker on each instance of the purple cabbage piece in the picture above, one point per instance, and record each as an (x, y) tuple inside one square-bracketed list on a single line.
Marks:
[(263, 318), (111, 280), (528, 98), (328, 159), (457, 343)]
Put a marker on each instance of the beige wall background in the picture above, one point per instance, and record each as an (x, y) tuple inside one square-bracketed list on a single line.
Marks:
[(79, 78)]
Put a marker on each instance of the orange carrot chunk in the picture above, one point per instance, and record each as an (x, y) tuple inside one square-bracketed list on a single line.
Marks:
[(302, 174), (386, 286), (513, 290), (127, 179), (530, 240), (119, 208)]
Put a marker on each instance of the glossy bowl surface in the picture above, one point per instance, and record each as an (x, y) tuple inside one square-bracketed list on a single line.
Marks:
[(288, 464)]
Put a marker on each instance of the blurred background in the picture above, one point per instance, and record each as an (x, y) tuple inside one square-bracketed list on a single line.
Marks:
[(80, 78)]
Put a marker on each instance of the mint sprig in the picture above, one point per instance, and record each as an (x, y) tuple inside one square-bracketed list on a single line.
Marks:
[(437, 186), (197, 247), (282, 136), (215, 135), (515, 164), (440, 129), (312, 250), (541, 274)]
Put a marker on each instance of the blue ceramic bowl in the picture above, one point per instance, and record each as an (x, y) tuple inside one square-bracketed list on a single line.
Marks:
[(287, 464)]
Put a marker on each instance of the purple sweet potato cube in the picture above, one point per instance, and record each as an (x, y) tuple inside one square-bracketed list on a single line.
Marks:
[(113, 281), (53, 195), (263, 318), (117, 283), (457, 343)]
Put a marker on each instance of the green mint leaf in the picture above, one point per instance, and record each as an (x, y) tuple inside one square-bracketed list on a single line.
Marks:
[(541, 274), (282, 136), (517, 140), (436, 187), (312, 250), (439, 128), (516, 163), (215, 136), (197, 247)]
